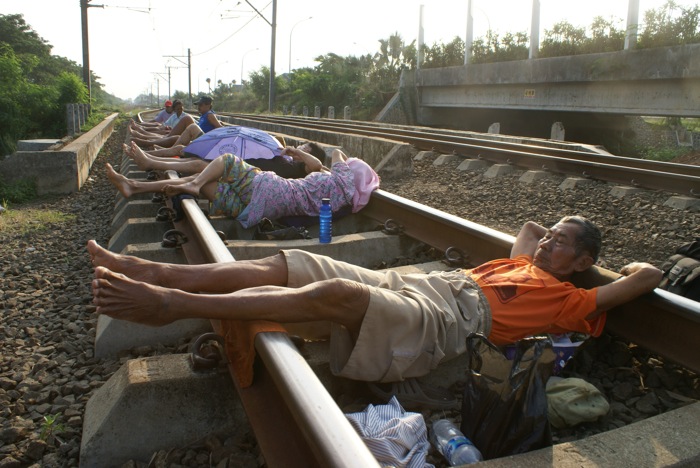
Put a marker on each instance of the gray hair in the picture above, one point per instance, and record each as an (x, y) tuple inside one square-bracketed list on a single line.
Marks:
[(588, 237)]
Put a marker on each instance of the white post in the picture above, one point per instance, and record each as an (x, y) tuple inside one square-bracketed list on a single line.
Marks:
[(469, 40), (632, 24), (421, 40), (535, 29)]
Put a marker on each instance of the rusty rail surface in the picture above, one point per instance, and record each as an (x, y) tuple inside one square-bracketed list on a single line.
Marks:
[(675, 178)]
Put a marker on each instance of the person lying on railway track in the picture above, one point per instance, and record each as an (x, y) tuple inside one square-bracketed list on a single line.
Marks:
[(186, 130), (303, 162), (237, 189), (386, 327)]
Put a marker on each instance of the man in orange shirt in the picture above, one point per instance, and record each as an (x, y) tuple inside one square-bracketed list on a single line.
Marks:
[(386, 327)]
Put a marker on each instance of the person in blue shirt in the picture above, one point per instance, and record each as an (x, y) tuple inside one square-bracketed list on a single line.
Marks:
[(207, 120)]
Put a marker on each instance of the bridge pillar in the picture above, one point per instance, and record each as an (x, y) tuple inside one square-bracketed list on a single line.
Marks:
[(495, 128), (331, 112), (306, 111), (317, 112)]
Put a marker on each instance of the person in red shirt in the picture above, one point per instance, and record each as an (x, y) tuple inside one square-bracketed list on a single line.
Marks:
[(386, 327)]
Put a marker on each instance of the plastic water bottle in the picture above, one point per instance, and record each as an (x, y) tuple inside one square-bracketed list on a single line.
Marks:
[(325, 219), (449, 440)]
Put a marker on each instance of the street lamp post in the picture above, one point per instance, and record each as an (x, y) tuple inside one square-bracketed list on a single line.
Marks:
[(242, 58), (290, 41)]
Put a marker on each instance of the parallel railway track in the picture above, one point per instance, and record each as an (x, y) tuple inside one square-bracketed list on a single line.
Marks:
[(560, 158), (294, 418)]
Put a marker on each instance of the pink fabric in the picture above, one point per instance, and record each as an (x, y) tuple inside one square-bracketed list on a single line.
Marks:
[(366, 181)]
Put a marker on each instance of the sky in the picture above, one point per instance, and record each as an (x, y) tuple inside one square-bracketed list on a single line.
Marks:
[(135, 45)]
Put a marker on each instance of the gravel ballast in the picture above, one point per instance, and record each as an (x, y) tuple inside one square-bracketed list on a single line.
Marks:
[(47, 321)]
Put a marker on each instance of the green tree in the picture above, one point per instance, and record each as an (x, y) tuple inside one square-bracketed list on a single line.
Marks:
[(444, 55), (494, 49), (563, 39), (12, 120), (670, 25)]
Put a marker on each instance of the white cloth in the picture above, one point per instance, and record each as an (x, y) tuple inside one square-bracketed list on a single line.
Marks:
[(395, 437)]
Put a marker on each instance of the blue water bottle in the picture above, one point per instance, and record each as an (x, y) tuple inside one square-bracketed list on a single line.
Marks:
[(325, 219)]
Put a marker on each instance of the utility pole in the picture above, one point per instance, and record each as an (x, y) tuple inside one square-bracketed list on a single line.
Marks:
[(158, 81), (189, 73), (84, 5), (273, 25), (188, 64)]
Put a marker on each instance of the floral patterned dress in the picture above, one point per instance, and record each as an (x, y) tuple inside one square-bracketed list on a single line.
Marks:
[(274, 196)]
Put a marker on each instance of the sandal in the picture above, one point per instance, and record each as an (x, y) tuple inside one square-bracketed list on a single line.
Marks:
[(414, 395)]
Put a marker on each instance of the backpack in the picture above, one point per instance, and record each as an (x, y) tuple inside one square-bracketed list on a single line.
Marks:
[(682, 271)]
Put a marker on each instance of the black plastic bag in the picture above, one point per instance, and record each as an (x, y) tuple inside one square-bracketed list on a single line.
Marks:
[(271, 230), (504, 410)]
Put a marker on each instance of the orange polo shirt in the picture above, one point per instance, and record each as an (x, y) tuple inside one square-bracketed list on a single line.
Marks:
[(526, 300)]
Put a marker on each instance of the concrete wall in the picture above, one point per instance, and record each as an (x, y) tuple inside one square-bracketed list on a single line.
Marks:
[(63, 171), (661, 81)]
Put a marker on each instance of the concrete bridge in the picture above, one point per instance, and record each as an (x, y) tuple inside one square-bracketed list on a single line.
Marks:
[(583, 91), (661, 81)]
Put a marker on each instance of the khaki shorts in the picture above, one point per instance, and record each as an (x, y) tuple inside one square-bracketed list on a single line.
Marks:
[(412, 323)]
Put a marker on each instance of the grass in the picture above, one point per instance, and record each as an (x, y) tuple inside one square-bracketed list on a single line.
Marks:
[(24, 221), (664, 154)]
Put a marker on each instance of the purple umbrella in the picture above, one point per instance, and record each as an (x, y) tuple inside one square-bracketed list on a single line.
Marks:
[(244, 142)]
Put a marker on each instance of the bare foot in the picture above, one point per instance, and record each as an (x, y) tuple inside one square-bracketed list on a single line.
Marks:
[(127, 149), (123, 184), (188, 187), (135, 268), (125, 299), (140, 157)]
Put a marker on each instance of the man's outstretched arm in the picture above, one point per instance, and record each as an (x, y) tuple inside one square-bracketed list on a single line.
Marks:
[(639, 278)]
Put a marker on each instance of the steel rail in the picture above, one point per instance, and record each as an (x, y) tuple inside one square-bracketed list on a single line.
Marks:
[(664, 323), (637, 177), (452, 136), (308, 429)]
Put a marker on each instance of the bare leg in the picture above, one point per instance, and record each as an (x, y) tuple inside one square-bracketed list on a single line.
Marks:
[(167, 141), (191, 133), (336, 300), (175, 150), (210, 278), (209, 175), (180, 127), (129, 187)]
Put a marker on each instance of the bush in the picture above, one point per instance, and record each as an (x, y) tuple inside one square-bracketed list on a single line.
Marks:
[(21, 191)]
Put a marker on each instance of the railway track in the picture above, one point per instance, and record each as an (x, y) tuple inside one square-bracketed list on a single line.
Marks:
[(559, 157), (295, 420)]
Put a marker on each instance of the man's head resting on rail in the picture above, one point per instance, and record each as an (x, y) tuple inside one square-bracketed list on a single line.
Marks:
[(572, 245)]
